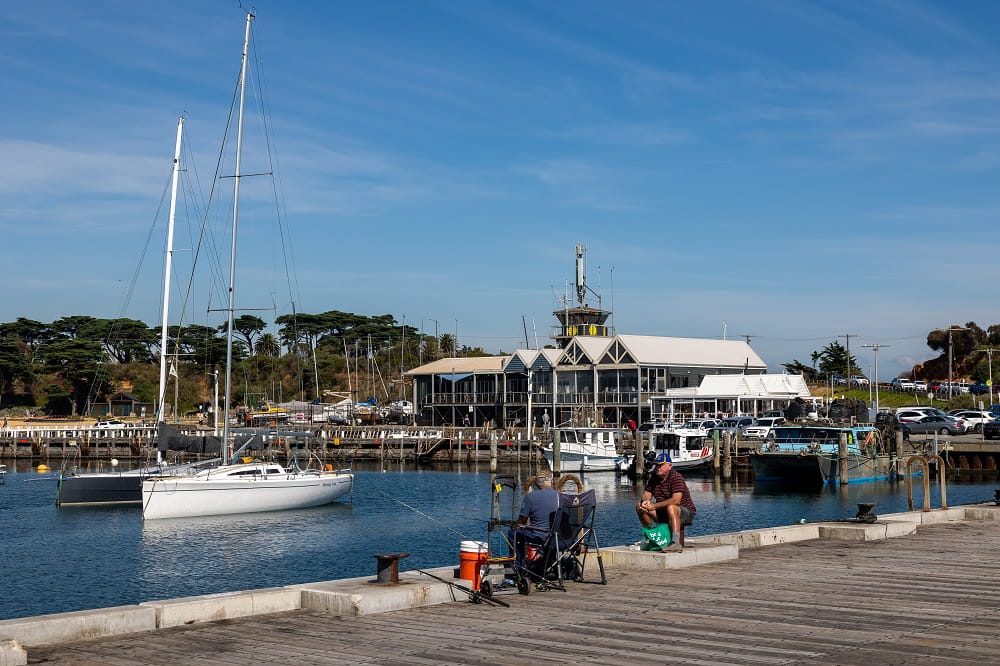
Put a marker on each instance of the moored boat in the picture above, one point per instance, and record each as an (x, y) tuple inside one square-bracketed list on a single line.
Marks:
[(810, 455), (690, 448), (586, 449), (243, 485)]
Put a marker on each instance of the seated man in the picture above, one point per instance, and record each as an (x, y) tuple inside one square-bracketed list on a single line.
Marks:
[(535, 516), (666, 500)]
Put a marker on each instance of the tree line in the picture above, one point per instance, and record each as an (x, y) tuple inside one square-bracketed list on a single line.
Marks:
[(68, 365), (971, 347)]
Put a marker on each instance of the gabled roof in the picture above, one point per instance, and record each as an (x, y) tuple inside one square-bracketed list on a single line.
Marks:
[(521, 360), (694, 352), (583, 351), (616, 353), (472, 364), (546, 360)]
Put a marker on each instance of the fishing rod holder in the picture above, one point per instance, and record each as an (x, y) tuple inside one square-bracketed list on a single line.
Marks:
[(388, 568)]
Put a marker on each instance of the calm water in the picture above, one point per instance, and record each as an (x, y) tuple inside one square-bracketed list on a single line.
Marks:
[(54, 560)]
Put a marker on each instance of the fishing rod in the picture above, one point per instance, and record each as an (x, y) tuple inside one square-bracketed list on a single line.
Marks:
[(474, 596), (438, 522)]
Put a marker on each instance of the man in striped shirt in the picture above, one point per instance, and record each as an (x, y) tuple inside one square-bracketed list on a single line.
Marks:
[(666, 499)]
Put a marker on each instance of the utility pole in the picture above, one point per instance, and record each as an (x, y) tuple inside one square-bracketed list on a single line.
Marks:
[(989, 355), (951, 329), (875, 347), (848, 336)]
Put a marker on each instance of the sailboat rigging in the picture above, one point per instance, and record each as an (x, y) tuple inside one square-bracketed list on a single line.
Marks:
[(243, 485), (126, 487)]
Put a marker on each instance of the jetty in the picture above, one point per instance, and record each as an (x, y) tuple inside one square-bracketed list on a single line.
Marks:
[(909, 588)]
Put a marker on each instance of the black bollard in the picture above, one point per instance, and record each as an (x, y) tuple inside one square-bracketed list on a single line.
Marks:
[(388, 568)]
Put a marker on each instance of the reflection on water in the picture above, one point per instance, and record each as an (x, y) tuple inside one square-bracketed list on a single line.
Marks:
[(88, 557)]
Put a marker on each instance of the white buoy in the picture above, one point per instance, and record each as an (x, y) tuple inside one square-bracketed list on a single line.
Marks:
[(114, 462)]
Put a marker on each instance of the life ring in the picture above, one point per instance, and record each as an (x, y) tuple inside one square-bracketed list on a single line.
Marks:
[(570, 477)]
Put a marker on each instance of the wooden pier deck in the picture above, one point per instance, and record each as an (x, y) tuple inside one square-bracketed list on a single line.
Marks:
[(929, 598)]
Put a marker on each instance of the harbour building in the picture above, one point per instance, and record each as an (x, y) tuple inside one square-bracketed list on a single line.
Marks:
[(594, 375)]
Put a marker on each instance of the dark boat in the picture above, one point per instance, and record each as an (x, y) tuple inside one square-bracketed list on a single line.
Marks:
[(807, 455), (125, 487)]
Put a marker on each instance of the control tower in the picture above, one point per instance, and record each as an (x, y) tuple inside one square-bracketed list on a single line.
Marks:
[(581, 320)]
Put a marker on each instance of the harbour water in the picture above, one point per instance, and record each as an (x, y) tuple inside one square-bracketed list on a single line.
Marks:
[(62, 559)]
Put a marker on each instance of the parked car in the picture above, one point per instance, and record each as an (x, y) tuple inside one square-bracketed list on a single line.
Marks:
[(910, 414), (991, 430), (979, 388), (937, 386), (858, 380), (901, 384), (974, 419), (919, 385), (761, 428), (701, 424), (839, 380), (931, 424), (734, 425)]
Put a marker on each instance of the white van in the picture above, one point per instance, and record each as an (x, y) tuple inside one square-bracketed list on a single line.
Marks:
[(901, 384)]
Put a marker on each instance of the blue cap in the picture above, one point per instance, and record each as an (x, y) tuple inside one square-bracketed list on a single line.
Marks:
[(662, 458)]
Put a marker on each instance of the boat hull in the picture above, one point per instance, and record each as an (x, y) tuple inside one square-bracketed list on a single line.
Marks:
[(84, 489), (188, 497), (581, 462), (817, 468)]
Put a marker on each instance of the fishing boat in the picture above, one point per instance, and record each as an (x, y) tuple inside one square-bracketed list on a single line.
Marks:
[(809, 455), (125, 487), (689, 445), (243, 485), (587, 450)]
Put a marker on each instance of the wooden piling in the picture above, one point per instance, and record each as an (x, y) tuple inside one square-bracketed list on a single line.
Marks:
[(493, 452), (727, 459), (556, 460), (716, 453), (842, 458)]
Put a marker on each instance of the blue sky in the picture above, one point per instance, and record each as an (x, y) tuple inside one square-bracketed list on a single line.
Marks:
[(795, 170)]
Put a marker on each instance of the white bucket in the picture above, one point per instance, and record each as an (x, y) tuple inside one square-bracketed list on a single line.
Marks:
[(472, 547)]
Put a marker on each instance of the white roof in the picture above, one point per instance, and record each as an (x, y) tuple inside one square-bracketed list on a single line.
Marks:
[(656, 350), (745, 386)]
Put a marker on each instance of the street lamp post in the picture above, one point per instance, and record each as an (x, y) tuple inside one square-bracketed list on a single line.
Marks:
[(951, 329), (875, 348), (989, 355), (437, 340)]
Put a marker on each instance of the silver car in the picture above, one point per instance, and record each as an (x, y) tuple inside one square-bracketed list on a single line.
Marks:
[(942, 425)]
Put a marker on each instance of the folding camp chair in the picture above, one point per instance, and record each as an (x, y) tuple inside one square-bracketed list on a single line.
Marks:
[(571, 539)]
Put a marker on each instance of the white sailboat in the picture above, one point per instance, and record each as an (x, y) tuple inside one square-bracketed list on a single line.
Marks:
[(125, 487), (247, 486)]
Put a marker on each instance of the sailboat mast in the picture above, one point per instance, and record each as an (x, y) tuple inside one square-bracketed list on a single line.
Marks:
[(160, 416), (232, 250)]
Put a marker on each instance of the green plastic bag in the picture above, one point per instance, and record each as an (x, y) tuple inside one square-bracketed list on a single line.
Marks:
[(658, 537)]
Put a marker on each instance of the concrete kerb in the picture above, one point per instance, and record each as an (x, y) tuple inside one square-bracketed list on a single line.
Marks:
[(359, 596), (78, 625), (223, 606)]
